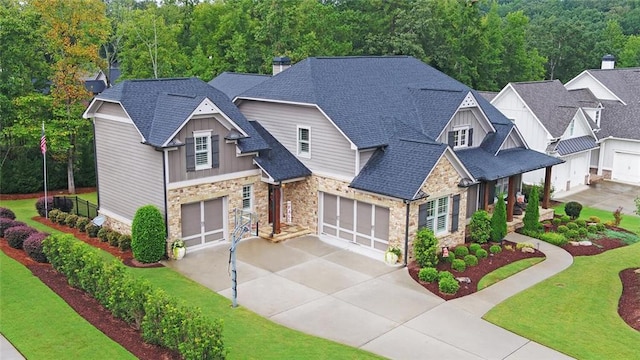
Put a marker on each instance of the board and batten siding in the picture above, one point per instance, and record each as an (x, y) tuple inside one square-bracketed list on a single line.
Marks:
[(585, 81), (331, 152), (129, 172), (513, 108), (112, 109), (617, 145), (464, 118), (229, 162)]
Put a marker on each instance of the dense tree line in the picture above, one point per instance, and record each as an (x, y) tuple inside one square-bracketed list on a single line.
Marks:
[(47, 47)]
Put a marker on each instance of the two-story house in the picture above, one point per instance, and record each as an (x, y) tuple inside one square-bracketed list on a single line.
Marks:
[(360, 150)]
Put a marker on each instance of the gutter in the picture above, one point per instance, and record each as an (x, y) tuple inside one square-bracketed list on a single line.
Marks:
[(406, 234)]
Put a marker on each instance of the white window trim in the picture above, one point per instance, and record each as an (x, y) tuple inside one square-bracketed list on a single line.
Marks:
[(502, 186), (207, 135), (436, 215), (250, 208), (457, 131), (298, 142)]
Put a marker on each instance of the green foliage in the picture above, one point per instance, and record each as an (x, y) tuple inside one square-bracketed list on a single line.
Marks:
[(113, 238), (124, 243), (600, 227), (448, 285), (445, 274), (573, 209), (532, 213), (471, 260), (572, 234), (563, 229), (521, 245), (565, 219), (82, 222), (148, 235), (572, 226), (592, 229), (480, 227), (499, 220), (53, 214), (482, 254), (428, 274), (582, 232), (473, 248), (637, 202), (553, 238), (425, 248), (495, 249), (61, 218), (594, 219), (71, 220), (458, 265), (556, 221), (92, 229), (103, 234), (628, 238), (461, 251), (581, 223)]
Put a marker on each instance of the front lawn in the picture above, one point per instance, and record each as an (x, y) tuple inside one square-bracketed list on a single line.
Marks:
[(629, 222), (506, 271), (576, 311)]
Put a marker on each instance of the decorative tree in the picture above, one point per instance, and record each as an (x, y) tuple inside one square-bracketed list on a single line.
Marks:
[(480, 227), (148, 234), (425, 248), (532, 215), (499, 220)]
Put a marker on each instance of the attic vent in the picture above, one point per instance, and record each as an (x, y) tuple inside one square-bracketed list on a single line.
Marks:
[(469, 101)]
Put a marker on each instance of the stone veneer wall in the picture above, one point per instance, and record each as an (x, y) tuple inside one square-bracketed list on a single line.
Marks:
[(116, 225)]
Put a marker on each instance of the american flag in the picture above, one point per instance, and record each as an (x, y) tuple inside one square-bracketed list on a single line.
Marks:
[(43, 141)]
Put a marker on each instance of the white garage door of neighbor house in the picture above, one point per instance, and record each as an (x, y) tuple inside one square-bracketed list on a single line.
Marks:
[(354, 221), (579, 170), (626, 167), (203, 222)]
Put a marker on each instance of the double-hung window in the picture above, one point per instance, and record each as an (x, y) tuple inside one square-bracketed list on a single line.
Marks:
[(202, 143), (304, 141), (246, 197), (434, 214), (461, 137)]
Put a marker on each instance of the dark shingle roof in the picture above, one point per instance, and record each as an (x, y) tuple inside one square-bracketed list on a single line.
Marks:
[(159, 107), (620, 121), (278, 162), (574, 145), (484, 165), (233, 84), (624, 82), (488, 95)]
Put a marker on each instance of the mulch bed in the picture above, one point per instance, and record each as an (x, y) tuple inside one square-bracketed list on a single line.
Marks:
[(629, 305), (41, 194), (600, 246), (474, 273)]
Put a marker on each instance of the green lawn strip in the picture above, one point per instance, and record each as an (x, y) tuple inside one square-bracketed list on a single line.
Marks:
[(91, 197), (25, 210), (576, 311), (629, 222), (41, 325), (506, 271)]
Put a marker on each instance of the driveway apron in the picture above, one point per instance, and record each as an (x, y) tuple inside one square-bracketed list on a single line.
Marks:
[(331, 292), (604, 195)]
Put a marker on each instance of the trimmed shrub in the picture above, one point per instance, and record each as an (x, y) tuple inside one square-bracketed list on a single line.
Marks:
[(459, 265), (7, 213), (62, 218), (482, 254), (556, 221), (553, 238), (592, 229), (92, 229), (16, 235), (103, 234), (124, 243), (582, 232), (473, 248), (148, 235), (40, 205), (6, 223), (572, 234), (572, 226), (519, 246), (499, 220), (33, 246), (471, 260), (461, 251), (53, 215), (600, 227), (581, 223), (563, 229), (425, 248), (594, 219), (532, 213), (82, 222), (449, 258), (113, 238), (428, 274), (71, 220), (480, 227), (533, 234), (565, 219), (448, 286), (573, 209), (495, 249), (445, 274)]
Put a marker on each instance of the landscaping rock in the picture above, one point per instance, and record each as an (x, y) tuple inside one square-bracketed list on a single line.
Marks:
[(464, 279), (574, 243), (585, 243), (528, 250)]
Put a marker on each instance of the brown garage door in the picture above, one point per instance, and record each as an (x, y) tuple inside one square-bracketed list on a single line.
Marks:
[(203, 222), (355, 221)]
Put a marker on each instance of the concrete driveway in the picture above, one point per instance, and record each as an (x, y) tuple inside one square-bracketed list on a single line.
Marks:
[(335, 293), (605, 195)]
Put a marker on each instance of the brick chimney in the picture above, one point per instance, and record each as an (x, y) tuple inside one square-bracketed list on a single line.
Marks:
[(608, 62), (280, 64)]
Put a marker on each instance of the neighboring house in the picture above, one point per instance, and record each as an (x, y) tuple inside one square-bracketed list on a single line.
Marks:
[(363, 150), (618, 116), (555, 121)]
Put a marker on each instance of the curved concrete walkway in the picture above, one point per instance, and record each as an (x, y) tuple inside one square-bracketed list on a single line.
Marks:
[(332, 292)]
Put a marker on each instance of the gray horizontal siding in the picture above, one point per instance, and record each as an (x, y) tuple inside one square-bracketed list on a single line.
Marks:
[(330, 150), (229, 162), (112, 109), (129, 173)]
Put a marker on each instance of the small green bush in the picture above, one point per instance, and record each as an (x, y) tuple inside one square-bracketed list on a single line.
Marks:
[(480, 227), (113, 238), (449, 259), (573, 209), (459, 265), (572, 226), (572, 234), (563, 229), (553, 238), (482, 254), (445, 274), (448, 286), (82, 222), (581, 223), (471, 260), (428, 274), (425, 248), (582, 232), (495, 249), (529, 233), (594, 219), (521, 245), (62, 218), (92, 229), (461, 251), (556, 221), (473, 248), (103, 234), (53, 215), (71, 220), (499, 220), (592, 229), (600, 227), (149, 235), (124, 243), (565, 219)]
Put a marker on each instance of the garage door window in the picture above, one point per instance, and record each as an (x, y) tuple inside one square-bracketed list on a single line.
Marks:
[(434, 214)]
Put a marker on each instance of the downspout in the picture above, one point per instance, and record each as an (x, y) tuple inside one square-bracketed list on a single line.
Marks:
[(165, 162), (406, 235), (95, 163)]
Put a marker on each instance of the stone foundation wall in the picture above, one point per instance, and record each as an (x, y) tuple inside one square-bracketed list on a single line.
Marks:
[(304, 202), (117, 225)]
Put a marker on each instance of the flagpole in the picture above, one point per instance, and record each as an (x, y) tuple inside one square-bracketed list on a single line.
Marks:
[(43, 148)]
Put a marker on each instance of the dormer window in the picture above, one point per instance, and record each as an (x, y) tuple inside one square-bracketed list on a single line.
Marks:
[(598, 111), (460, 137), (572, 126)]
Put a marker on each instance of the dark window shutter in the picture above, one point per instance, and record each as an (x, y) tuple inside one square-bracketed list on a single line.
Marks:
[(470, 142), (191, 154), (215, 151), (455, 213), (422, 216), (451, 138)]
